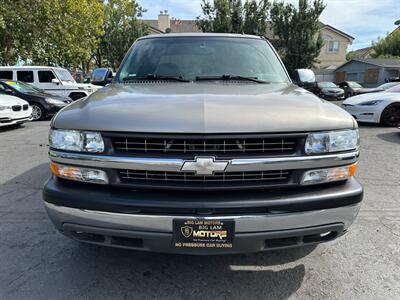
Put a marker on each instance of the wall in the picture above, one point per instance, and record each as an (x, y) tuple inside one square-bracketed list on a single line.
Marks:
[(336, 59), (356, 71)]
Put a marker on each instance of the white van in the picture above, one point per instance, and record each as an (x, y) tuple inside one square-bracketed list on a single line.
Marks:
[(56, 81)]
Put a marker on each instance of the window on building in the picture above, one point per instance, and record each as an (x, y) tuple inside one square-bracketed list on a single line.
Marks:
[(25, 76), (333, 46), (46, 76), (6, 75)]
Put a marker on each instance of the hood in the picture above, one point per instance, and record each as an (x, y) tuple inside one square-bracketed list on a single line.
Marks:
[(332, 90), (88, 86), (368, 90), (47, 95), (370, 97), (11, 100), (203, 107)]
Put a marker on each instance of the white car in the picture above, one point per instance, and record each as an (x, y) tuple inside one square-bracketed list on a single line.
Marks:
[(382, 107), (57, 81), (14, 110)]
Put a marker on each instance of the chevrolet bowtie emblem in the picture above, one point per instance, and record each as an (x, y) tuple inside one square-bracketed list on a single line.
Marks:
[(204, 165)]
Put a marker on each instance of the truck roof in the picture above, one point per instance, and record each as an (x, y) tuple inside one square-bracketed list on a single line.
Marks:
[(172, 35), (29, 67)]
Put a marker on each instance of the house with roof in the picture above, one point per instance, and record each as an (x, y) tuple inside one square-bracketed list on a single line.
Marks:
[(371, 72), (332, 55)]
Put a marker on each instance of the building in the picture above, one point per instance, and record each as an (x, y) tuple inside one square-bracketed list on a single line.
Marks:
[(363, 53), (333, 53), (371, 72)]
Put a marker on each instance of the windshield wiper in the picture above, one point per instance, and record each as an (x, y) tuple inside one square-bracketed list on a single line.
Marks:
[(155, 77), (230, 77)]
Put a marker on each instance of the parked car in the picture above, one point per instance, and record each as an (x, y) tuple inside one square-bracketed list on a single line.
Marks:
[(382, 107), (43, 104), (14, 111), (329, 91), (202, 144), (381, 88), (350, 88), (55, 81)]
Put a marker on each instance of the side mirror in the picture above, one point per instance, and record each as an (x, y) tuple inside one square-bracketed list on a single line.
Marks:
[(304, 77), (101, 76), (55, 81), (9, 91)]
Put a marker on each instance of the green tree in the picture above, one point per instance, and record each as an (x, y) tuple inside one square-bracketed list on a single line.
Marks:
[(49, 32), (121, 27), (67, 32), (233, 16), (297, 31), (14, 16), (389, 46)]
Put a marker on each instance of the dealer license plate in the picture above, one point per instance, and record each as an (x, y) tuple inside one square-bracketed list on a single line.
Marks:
[(200, 233)]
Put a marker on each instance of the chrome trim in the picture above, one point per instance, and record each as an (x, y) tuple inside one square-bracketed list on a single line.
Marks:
[(175, 165), (163, 223)]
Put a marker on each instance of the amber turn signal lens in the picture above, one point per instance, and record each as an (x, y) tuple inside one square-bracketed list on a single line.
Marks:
[(353, 169), (54, 169)]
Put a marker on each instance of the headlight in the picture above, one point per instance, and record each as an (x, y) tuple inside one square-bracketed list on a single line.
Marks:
[(371, 103), (333, 141), (55, 101), (4, 107), (79, 173), (329, 175), (74, 140)]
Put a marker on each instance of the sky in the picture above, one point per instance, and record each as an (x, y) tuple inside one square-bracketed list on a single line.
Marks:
[(365, 20)]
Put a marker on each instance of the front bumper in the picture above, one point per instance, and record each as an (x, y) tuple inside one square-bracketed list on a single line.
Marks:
[(15, 118), (368, 114), (142, 220)]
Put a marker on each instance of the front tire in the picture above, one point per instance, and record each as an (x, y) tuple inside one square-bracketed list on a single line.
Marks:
[(391, 115), (38, 112)]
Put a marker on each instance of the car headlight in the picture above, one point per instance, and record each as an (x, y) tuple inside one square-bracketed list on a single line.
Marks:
[(55, 101), (329, 175), (333, 141), (370, 103), (2, 107), (74, 140), (79, 173)]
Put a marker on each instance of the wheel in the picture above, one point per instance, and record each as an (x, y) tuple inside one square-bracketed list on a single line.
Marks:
[(38, 112), (391, 115)]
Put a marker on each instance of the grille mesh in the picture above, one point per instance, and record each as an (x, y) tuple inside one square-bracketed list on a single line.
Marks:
[(230, 146), (219, 178)]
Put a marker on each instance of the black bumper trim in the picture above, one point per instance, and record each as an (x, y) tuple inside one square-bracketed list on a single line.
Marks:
[(104, 198), (243, 242)]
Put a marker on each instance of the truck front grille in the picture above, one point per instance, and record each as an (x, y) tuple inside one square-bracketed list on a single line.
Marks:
[(220, 179), (232, 146)]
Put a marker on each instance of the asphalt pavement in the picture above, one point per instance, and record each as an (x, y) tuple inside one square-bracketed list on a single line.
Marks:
[(36, 262)]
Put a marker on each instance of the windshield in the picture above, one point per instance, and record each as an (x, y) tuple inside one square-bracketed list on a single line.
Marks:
[(191, 57), (388, 85), (354, 84), (326, 85), (22, 87), (64, 75)]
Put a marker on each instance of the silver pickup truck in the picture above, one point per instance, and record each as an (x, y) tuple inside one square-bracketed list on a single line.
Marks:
[(202, 144)]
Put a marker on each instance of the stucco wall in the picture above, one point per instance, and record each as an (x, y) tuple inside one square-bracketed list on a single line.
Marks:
[(336, 59)]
